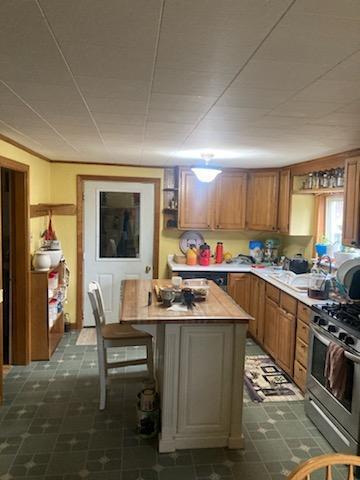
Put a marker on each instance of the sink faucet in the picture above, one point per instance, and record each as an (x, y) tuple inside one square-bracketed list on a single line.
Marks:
[(323, 259)]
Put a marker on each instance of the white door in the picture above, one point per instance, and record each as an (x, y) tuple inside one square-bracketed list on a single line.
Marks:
[(118, 239)]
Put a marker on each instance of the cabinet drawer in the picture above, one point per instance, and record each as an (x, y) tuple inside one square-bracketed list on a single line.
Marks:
[(301, 354), (302, 331), (303, 312), (300, 375), (288, 303), (272, 292)]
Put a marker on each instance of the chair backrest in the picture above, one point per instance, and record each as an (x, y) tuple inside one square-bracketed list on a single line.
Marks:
[(97, 303), (304, 471)]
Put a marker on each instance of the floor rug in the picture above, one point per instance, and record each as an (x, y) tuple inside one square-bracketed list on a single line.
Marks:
[(87, 336), (266, 382)]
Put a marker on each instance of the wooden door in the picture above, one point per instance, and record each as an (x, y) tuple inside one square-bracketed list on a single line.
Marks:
[(286, 341), (262, 200), (261, 311), (230, 201), (239, 289), (1, 305), (271, 327), (195, 202), (351, 224), (254, 304), (284, 201)]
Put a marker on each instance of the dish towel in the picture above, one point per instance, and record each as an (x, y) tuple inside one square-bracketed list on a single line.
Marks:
[(336, 370)]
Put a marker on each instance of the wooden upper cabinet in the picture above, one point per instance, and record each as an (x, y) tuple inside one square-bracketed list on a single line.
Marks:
[(262, 200), (351, 223), (195, 202), (284, 201), (230, 201)]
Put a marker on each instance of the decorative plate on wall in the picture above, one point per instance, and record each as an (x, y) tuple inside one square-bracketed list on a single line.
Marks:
[(190, 238)]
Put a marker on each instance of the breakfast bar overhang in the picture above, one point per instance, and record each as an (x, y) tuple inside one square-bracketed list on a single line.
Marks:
[(199, 362)]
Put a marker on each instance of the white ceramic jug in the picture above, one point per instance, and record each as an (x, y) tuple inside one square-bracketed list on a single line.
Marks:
[(41, 261)]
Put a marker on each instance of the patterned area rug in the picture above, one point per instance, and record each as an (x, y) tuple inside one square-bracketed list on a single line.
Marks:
[(266, 382)]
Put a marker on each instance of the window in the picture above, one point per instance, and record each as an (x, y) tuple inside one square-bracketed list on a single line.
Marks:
[(334, 220)]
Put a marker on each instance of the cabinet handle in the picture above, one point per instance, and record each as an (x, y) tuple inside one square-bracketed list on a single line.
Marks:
[(217, 226)]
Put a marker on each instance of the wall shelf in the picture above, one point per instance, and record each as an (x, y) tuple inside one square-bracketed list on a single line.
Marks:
[(45, 209), (318, 191)]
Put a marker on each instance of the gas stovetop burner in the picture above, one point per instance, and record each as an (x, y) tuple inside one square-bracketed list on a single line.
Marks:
[(346, 313)]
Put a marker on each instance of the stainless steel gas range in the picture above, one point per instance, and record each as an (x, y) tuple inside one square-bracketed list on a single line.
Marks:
[(337, 419)]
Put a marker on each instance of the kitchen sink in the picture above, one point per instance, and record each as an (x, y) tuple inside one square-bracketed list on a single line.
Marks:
[(299, 282)]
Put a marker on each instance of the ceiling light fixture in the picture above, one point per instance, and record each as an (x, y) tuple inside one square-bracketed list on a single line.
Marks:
[(205, 174)]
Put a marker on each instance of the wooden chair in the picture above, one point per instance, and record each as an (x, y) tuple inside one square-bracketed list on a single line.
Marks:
[(304, 471), (117, 335)]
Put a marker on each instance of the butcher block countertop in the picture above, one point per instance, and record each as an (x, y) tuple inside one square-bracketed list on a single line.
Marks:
[(219, 307)]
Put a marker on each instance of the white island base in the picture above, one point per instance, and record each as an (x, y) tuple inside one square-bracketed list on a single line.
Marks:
[(200, 371)]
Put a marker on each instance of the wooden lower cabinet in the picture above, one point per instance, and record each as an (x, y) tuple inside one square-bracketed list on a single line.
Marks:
[(300, 375), (239, 289), (271, 327), (286, 341)]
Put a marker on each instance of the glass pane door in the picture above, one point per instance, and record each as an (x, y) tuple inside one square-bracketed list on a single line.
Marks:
[(119, 220)]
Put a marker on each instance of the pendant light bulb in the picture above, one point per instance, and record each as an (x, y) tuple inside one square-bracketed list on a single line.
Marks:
[(206, 174)]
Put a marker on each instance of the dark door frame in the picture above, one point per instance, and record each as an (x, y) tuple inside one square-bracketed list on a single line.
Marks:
[(21, 262), (80, 180)]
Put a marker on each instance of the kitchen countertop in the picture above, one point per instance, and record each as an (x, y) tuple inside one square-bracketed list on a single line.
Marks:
[(218, 307), (263, 273)]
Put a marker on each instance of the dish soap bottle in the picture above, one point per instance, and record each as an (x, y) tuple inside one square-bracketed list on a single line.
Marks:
[(191, 256)]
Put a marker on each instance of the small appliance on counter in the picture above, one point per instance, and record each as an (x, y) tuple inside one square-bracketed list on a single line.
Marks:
[(256, 248), (297, 264), (271, 250)]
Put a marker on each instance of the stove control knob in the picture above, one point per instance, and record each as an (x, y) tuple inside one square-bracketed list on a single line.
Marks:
[(349, 340), (332, 328), (342, 336), (317, 319), (323, 322)]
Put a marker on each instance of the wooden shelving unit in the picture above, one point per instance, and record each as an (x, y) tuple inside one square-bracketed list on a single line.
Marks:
[(44, 337), (170, 198)]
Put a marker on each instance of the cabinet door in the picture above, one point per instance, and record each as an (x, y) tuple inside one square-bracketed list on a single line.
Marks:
[(239, 289), (195, 202), (351, 225), (262, 200), (253, 307), (284, 201), (261, 311), (230, 201), (271, 327), (286, 341)]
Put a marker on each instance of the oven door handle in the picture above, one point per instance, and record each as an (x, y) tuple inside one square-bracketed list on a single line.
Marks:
[(324, 340)]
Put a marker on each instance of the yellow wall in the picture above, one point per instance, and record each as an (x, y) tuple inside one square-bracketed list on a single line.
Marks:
[(56, 183), (39, 184)]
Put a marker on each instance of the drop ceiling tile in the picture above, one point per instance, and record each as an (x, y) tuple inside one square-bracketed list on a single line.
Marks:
[(112, 88), (119, 118), (115, 105), (330, 91), (280, 75), (183, 103), (172, 116), (337, 118), (189, 82), (308, 38), (239, 95), (336, 8), (313, 109)]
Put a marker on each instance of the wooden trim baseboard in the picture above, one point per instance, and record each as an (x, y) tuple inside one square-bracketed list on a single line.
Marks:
[(80, 180)]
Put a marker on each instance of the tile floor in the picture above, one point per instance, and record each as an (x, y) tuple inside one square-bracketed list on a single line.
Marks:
[(51, 428)]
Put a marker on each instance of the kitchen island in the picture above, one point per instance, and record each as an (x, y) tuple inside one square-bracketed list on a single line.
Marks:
[(199, 365)]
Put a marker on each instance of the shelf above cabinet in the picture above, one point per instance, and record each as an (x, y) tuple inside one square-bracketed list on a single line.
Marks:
[(318, 191)]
